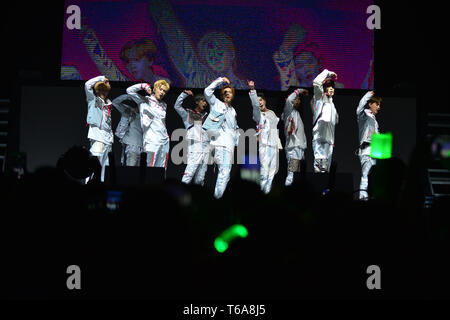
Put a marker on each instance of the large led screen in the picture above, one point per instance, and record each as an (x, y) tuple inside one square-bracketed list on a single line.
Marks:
[(277, 44)]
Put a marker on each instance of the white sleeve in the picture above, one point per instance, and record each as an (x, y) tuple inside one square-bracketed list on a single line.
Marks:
[(137, 87), (318, 81), (237, 134), (134, 89), (179, 108), (289, 104), (89, 87), (363, 102), (123, 108), (255, 106), (209, 92)]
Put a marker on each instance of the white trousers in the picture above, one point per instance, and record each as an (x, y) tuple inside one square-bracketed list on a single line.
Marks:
[(366, 164), (224, 160), (293, 153), (100, 150), (131, 155), (197, 164), (268, 156), (159, 156), (323, 152)]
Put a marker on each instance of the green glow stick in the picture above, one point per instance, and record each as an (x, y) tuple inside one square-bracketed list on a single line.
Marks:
[(223, 240), (381, 146)]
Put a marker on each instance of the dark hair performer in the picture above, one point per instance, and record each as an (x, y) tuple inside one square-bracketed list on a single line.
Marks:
[(222, 128), (325, 118), (100, 132), (368, 125), (269, 141), (129, 130), (294, 132), (197, 138)]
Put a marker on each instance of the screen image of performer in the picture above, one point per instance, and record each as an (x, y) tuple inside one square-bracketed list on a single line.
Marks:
[(222, 128), (366, 112), (215, 54), (197, 137), (296, 61), (269, 141), (100, 132), (139, 55), (152, 111), (129, 130), (218, 53), (325, 118), (294, 132)]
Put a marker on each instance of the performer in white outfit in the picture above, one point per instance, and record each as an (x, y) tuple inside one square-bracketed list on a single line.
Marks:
[(197, 137), (367, 109), (100, 133), (129, 130), (294, 132), (269, 141), (152, 111), (223, 132), (325, 118)]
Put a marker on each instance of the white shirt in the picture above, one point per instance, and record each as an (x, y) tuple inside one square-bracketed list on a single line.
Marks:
[(323, 110), (227, 134), (197, 137)]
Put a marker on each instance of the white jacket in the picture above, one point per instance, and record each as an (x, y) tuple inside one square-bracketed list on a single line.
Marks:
[(227, 134), (266, 123), (153, 118), (323, 111), (367, 123), (192, 121), (129, 128), (294, 129), (99, 114)]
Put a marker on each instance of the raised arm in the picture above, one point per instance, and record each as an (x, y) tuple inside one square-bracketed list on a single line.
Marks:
[(209, 90), (122, 107), (89, 87), (134, 89), (363, 102), (255, 103), (179, 108), (289, 104), (318, 81)]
